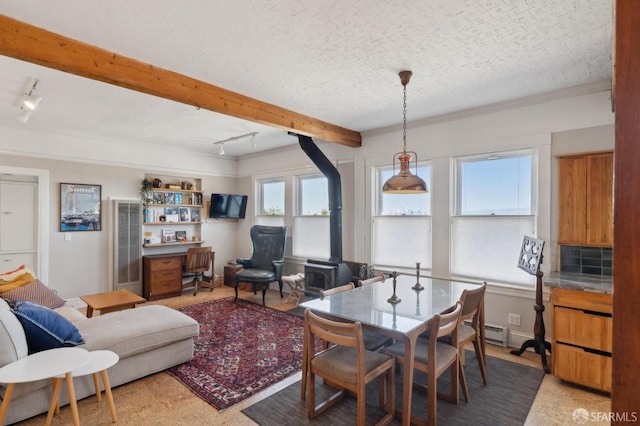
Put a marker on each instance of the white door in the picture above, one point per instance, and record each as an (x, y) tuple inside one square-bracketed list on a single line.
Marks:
[(18, 227)]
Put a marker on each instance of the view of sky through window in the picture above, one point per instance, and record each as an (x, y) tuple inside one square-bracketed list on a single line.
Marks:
[(273, 197), (314, 195), (500, 186)]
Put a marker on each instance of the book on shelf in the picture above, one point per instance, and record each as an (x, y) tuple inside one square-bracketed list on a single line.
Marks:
[(195, 215), (181, 236), (168, 236), (177, 197), (158, 198), (169, 198)]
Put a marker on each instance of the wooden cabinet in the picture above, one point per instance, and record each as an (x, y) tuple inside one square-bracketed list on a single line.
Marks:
[(162, 275), (586, 199), (582, 337), (230, 277)]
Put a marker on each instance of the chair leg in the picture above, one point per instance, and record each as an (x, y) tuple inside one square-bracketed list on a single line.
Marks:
[(236, 288), (280, 284), (481, 361), (463, 381), (264, 293)]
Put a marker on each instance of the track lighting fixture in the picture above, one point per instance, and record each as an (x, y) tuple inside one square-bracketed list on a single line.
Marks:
[(220, 144), (31, 99)]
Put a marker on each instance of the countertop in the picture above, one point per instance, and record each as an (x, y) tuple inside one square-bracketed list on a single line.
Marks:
[(575, 281)]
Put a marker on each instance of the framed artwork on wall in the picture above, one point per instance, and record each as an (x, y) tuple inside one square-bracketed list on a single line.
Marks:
[(80, 207)]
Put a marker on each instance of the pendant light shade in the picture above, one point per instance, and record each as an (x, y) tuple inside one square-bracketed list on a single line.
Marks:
[(404, 182)]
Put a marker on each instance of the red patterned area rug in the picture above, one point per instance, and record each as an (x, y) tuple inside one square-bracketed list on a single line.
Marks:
[(242, 349)]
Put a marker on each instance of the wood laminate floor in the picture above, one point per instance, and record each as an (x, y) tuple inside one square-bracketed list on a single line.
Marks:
[(160, 399)]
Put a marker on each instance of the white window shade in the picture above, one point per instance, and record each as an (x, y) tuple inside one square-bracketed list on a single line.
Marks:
[(270, 220), (487, 247), (401, 241), (311, 237)]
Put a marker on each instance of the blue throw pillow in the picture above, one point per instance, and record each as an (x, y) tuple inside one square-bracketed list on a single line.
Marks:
[(45, 328)]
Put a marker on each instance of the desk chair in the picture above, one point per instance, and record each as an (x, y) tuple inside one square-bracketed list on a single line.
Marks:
[(198, 262)]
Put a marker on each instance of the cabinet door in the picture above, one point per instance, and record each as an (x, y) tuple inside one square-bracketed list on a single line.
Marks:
[(572, 197), (600, 199), (9, 262), (17, 216)]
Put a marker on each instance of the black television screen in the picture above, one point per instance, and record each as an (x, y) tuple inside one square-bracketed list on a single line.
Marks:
[(228, 206)]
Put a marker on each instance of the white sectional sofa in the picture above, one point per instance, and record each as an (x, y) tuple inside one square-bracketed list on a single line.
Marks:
[(147, 339)]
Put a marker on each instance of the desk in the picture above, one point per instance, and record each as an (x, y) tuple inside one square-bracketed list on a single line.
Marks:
[(404, 321), (44, 365), (162, 274)]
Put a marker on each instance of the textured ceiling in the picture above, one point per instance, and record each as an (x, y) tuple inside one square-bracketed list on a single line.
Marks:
[(333, 60)]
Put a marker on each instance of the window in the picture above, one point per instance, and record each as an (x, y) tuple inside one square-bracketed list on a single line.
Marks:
[(270, 205), (401, 224), (494, 209), (311, 233)]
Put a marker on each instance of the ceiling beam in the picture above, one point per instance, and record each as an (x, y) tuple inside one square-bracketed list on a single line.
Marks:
[(26, 42)]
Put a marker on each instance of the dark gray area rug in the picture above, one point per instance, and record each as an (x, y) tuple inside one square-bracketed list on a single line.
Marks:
[(506, 400)]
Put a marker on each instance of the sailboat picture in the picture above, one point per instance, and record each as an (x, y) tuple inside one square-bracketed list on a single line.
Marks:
[(80, 207)]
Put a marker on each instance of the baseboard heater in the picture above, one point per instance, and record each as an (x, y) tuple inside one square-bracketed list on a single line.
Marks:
[(495, 334)]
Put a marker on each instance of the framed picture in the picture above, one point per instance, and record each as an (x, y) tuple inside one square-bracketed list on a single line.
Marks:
[(195, 215), (80, 207), (172, 214), (184, 214)]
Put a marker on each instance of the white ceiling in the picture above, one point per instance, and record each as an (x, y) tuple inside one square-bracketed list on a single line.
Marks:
[(334, 60)]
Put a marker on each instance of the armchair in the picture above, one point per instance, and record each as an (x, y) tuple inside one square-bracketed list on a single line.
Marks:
[(266, 264)]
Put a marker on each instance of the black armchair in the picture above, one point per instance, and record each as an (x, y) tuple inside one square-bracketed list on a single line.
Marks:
[(267, 261)]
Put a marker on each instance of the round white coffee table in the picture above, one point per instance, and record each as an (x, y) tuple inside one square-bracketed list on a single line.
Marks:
[(44, 365), (99, 361)]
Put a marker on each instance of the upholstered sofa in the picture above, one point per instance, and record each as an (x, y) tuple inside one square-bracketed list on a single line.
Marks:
[(147, 339)]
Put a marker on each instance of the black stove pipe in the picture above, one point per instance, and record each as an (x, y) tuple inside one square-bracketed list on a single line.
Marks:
[(335, 193)]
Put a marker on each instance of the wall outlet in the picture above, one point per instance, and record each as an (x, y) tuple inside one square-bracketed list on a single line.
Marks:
[(513, 319)]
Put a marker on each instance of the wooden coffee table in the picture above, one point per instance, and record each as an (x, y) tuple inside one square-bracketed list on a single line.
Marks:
[(111, 301)]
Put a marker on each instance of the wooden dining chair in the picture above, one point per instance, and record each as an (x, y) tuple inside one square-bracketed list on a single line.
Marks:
[(198, 262), (472, 310), (434, 357), (347, 365), (372, 340), (378, 278)]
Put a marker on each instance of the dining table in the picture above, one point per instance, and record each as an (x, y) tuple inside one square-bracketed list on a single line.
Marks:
[(400, 307)]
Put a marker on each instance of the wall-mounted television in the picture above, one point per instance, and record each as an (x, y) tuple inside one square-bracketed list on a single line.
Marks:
[(228, 206)]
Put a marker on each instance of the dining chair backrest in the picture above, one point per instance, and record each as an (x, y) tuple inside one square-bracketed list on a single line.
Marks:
[(446, 324), (371, 280), (472, 301), (335, 290), (339, 333)]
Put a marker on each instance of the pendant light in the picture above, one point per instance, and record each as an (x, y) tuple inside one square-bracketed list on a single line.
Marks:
[(404, 182)]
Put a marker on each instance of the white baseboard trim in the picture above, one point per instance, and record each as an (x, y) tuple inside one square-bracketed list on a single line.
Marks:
[(517, 338)]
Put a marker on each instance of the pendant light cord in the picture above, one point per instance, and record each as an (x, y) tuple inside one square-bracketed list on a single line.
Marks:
[(404, 118)]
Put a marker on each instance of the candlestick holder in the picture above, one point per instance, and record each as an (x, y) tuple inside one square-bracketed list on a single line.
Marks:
[(394, 299), (417, 286)]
